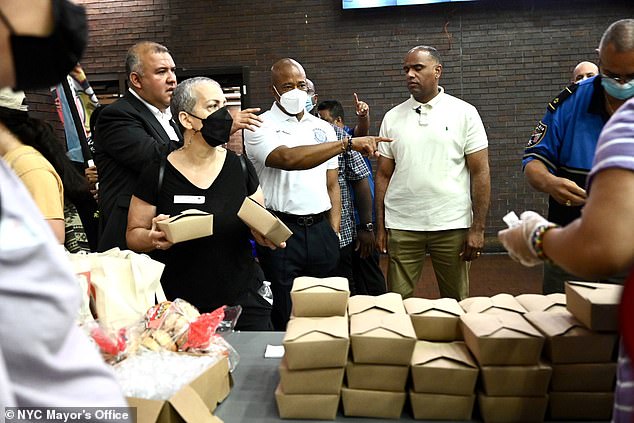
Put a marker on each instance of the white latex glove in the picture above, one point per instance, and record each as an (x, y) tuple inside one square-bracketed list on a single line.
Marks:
[(518, 239)]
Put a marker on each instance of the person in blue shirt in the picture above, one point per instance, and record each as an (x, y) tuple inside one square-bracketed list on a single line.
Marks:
[(367, 273), (559, 153)]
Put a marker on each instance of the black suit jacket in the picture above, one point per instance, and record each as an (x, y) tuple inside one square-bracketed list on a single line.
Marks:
[(127, 138)]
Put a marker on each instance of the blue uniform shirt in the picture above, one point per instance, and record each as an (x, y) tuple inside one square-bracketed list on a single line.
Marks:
[(566, 138)]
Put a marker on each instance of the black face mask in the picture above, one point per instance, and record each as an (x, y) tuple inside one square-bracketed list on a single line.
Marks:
[(41, 62), (216, 127)]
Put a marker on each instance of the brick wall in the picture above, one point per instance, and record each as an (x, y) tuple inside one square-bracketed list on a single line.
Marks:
[(506, 57)]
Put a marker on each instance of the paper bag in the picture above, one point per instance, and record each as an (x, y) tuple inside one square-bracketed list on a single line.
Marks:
[(125, 285), (190, 224)]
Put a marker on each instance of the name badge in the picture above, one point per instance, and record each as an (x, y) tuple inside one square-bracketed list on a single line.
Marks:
[(189, 199)]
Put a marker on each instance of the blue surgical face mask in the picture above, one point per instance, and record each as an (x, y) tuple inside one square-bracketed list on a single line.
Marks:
[(309, 103), (616, 90)]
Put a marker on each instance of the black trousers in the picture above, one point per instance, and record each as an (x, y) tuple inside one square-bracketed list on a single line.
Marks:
[(367, 274), (312, 250)]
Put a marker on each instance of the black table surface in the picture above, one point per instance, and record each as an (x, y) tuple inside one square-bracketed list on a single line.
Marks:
[(252, 397)]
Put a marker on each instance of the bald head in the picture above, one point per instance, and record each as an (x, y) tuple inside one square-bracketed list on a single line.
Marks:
[(620, 34), (583, 70)]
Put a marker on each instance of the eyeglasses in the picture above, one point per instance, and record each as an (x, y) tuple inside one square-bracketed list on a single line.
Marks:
[(619, 79)]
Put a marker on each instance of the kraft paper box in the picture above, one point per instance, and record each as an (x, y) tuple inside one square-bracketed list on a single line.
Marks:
[(306, 406), (263, 221), (435, 320), (512, 409), (190, 224), (497, 304), (585, 377), (377, 377), (382, 339), (193, 403), (316, 342), (581, 405), (568, 341), (319, 297), (311, 381), (538, 302), (380, 305), (501, 339), (441, 406), (516, 381), (443, 368), (368, 403), (594, 304)]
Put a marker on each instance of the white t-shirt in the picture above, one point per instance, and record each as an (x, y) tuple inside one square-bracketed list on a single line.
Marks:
[(296, 191), (430, 187)]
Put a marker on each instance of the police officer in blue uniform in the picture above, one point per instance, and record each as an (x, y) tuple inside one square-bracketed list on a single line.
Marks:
[(560, 150)]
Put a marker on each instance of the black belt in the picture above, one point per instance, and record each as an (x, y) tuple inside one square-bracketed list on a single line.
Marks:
[(301, 220)]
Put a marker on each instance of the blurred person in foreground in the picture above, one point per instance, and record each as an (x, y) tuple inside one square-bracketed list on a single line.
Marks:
[(600, 242), (45, 359), (217, 270)]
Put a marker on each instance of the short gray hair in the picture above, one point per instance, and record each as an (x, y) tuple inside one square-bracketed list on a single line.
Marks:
[(184, 98), (133, 57), (433, 52), (620, 34)]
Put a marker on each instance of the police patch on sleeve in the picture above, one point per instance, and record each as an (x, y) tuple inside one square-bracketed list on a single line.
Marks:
[(320, 135), (538, 134)]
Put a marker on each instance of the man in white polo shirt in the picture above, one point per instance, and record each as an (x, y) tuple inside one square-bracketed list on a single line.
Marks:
[(295, 156), (432, 184)]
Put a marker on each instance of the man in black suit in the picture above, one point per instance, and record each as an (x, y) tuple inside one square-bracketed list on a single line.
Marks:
[(131, 132)]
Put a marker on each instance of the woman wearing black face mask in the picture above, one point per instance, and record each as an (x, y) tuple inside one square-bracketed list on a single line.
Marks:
[(216, 270)]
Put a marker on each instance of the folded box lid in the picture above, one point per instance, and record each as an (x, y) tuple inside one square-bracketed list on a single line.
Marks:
[(388, 325), (556, 324), (311, 284), (499, 326), (438, 307), (391, 302), (598, 293), (299, 328), (504, 302), (457, 352), (185, 214), (539, 302)]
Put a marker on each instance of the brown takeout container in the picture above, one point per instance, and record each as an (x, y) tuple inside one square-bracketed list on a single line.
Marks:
[(538, 302), (568, 341), (190, 224), (382, 339), (263, 221), (497, 304), (583, 377), (512, 409), (311, 381), (435, 320), (581, 405), (319, 297), (377, 377), (385, 304), (306, 406), (594, 304), (316, 342), (501, 339), (367, 403), (441, 406), (443, 368), (516, 381), (193, 403)]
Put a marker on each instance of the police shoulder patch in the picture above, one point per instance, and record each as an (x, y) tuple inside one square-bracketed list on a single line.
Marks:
[(538, 134), (320, 135), (562, 96)]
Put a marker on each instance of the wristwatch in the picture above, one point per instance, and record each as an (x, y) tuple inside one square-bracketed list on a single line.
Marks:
[(368, 227)]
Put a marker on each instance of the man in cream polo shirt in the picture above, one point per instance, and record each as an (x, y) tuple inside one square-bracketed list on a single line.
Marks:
[(432, 184), (295, 156)]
